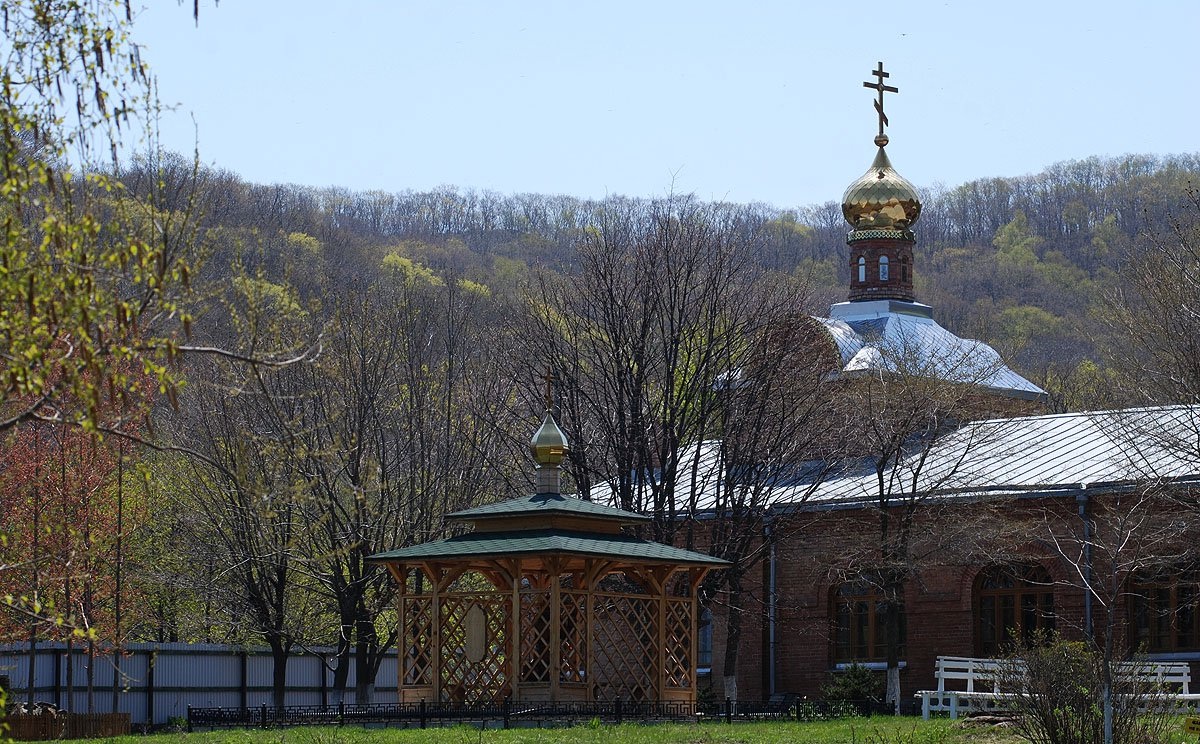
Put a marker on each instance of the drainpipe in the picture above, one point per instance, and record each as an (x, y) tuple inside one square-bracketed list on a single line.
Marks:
[(1082, 501), (770, 609)]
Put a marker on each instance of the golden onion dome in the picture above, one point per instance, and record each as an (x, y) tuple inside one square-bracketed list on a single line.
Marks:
[(549, 444), (881, 199)]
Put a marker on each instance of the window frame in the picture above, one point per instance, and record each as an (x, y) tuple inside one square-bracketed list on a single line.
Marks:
[(861, 639), (1178, 626), (1029, 594)]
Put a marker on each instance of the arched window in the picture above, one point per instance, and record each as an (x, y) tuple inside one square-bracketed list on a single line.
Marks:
[(862, 269), (904, 269), (883, 268), (861, 631), (1164, 613), (1011, 603)]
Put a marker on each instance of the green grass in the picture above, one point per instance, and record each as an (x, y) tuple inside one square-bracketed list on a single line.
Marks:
[(879, 730)]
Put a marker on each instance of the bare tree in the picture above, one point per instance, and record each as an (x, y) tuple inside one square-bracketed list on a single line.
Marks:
[(1154, 312), (907, 455), (1136, 535), (242, 497), (403, 410), (683, 379)]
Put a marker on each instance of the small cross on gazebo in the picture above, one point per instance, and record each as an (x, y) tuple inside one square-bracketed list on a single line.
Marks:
[(518, 608)]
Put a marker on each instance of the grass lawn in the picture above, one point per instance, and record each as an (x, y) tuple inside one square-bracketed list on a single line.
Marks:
[(878, 730)]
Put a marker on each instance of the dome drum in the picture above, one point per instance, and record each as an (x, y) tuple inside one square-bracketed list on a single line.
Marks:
[(881, 268)]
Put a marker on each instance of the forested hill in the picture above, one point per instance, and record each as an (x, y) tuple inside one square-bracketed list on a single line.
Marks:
[(1023, 263)]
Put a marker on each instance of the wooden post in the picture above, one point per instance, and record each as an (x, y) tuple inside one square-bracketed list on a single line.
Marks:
[(552, 569), (696, 575), (400, 575), (589, 620), (435, 578), (694, 644), (661, 684), (515, 630)]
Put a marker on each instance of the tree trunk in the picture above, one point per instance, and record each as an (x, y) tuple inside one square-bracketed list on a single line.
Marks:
[(341, 669), (892, 696), (280, 651), (1107, 688), (364, 669), (892, 622), (733, 637)]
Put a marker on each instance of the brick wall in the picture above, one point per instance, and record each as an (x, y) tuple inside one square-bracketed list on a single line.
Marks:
[(939, 598)]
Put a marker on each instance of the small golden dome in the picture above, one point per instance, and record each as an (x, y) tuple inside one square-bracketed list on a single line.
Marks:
[(881, 199), (549, 444)]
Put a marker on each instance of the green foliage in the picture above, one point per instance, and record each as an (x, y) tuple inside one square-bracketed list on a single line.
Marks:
[(1021, 325), (474, 288), (408, 272), (857, 682), (90, 279), (261, 297), (305, 243), (1059, 691), (1016, 244)]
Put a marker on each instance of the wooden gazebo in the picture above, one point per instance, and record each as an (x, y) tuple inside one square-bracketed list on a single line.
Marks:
[(518, 608)]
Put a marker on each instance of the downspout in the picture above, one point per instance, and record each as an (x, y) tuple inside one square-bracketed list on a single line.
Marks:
[(771, 642), (1082, 501)]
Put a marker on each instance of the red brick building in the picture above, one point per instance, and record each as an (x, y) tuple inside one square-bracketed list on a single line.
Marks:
[(1018, 524)]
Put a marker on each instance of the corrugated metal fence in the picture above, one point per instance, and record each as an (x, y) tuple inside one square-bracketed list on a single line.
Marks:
[(158, 681)]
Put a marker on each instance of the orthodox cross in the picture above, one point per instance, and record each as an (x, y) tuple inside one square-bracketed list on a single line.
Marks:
[(879, 86)]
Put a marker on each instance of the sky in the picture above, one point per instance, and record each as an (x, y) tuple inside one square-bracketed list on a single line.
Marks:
[(737, 101)]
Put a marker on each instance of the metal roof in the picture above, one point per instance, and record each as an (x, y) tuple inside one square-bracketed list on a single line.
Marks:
[(1036, 454), (1044, 455), (551, 541), (547, 504), (899, 337)]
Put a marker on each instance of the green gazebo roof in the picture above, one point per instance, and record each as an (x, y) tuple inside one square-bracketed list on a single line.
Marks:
[(536, 542), (547, 504)]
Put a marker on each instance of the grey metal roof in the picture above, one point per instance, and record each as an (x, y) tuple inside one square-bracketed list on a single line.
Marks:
[(538, 542), (547, 504), (1050, 454), (1039, 454), (901, 337)]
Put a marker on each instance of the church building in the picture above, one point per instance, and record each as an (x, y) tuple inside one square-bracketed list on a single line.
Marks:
[(1014, 518)]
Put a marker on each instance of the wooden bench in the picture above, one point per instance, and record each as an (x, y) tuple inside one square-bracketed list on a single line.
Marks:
[(974, 684)]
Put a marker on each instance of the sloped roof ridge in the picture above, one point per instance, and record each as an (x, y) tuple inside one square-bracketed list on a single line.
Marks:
[(545, 503), (1091, 414)]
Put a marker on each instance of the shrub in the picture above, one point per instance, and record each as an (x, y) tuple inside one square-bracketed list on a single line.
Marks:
[(1058, 690), (854, 683)]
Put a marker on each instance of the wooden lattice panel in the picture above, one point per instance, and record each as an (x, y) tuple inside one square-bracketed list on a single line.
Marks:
[(483, 678), (625, 650), (572, 621), (535, 636), (418, 642), (678, 655)]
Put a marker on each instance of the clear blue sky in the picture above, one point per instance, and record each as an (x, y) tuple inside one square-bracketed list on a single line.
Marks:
[(745, 101)]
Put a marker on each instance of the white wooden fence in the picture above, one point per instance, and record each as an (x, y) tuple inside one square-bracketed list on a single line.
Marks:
[(158, 681)]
